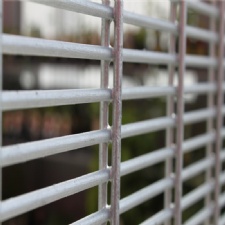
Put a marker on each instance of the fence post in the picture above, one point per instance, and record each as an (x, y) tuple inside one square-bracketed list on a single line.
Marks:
[(219, 116), (180, 112), (117, 111)]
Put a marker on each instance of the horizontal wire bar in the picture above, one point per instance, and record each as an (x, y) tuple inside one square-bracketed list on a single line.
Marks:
[(195, 195), (198, 141), (200, 61), (204, 8), (159, 217), (197, 167), (146, 126), (18, 205), (144, 194), (200, 88), (201, 34), (145, 160), (96, 218), (13, 44), (200, 216), (12, 100), (146, 92), (199, 115), (27, 151), (149, 23), (34, 99), (149, 57)]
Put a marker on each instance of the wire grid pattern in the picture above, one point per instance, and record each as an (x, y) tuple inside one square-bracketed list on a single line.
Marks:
[(172, 183)]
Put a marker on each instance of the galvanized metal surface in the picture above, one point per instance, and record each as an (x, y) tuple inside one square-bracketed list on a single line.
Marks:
[(170, 111), (12, 100), (104, 112), (180, 113), (175, 119), (13, 44), (117, 112)]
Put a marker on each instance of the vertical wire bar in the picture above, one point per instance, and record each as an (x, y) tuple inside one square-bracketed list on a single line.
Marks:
[(1, 24), (180, 112), (219, 116), (117, 111), (170, 110), (104, 110), (210, 104)]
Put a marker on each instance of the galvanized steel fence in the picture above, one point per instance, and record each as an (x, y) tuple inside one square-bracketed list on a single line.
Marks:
[(173, 123)]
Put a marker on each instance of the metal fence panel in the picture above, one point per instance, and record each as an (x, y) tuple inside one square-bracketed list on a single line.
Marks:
[(174, 122)]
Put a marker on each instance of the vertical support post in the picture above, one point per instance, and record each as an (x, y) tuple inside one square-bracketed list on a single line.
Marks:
[(170, 110), (219, 116), (210, 104), (117, 111), (104, 110), (180, 112)]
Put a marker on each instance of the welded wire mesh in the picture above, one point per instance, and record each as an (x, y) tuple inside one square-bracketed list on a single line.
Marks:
[(177, 147)]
